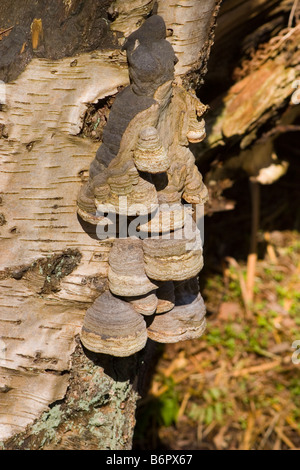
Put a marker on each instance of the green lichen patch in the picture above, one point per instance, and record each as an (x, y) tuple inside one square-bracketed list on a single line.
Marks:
[(58, 267), (49, 421), (48, 271)]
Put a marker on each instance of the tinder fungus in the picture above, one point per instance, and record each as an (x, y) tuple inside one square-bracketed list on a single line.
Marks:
[(196, 132), (167, 218), (185, 321), (86, 207), (125, 190), (145, 173), (149, 154), (112, 326), (177, 257), (126, 273), (144, 304)]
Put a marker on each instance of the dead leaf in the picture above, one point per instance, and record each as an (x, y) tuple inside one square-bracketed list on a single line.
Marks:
[(219, 439)]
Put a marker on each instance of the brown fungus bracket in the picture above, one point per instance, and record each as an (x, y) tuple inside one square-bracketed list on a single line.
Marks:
[(144, 160)]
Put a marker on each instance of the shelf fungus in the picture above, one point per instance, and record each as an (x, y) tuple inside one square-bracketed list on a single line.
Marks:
[(185, 321), (149, 154), (112, 326), (177, 258), (144, 304), (145, 174), (126, 271)]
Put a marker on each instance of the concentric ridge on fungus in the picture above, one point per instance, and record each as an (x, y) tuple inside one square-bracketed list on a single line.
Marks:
[(177, 258), (126, 272), (149, 154), (145, 168), (182, 323), (112, 326), (167, 218), (144, 304), (185, 321)]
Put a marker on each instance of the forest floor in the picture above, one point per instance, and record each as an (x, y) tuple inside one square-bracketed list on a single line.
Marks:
[(238, 386)]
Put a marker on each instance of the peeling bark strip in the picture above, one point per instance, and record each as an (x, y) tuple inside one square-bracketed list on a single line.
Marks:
[(51, 270)]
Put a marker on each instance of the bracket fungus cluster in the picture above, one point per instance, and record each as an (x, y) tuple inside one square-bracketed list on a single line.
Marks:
[(145, 171)]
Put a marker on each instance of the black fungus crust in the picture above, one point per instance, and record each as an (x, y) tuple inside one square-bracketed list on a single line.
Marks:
[(83, 27)]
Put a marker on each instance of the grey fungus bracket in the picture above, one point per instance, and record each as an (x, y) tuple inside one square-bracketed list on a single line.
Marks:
[(145, 159), (183, 322), (112, 326), (126, 272), (149, 153)]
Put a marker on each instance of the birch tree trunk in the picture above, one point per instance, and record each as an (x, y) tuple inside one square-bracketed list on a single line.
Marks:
[(61, 65)]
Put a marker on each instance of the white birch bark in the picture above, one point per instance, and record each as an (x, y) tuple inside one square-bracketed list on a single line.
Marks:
[(51, 269)]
